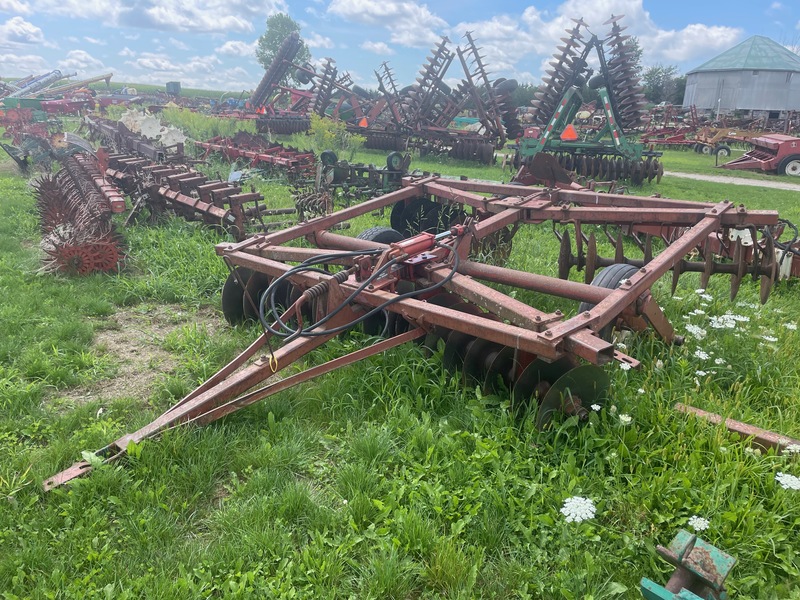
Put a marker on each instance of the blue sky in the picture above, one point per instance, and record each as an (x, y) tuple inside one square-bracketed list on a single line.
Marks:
[(209, 43)]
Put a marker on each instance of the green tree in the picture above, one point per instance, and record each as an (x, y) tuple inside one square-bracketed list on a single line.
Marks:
[(523, 95), (635, 52), (279, 26), (660, 83)]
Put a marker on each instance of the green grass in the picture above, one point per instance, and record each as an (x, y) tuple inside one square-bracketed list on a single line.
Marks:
[(386, 479)]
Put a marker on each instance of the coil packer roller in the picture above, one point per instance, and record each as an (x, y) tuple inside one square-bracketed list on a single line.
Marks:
[(424, 286)]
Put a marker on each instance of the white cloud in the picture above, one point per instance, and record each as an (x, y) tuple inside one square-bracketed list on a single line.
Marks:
[(378, 48), (196, 65), (103, 11), (207, 16), (178, 44), (15, 7), (776, 6), (316, 40), (409, 23), (17, 32), (95, 41), (126, 52), (22, 64), (80, 60), (237, 48)]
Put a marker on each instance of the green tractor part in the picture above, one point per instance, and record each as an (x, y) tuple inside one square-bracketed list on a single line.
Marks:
[(602, 154), (700, 571)]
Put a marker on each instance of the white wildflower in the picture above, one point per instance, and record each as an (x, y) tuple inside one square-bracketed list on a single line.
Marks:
[(707, 297), (698, 311), (752, 451), (621, 346), (625, 419), (719, 361), (751, 305), (787, 481), (596, 407), (698, 523), (659, 364), (640, 390), (792, 449), (701, 354), (696, 331), (613, 409), (344, 502), (791, 326), (677, 297), (625, 366), (725, 321), (577, 509), (723, 449), (770, 338), (700, 291), (701, 373), (740, 318)]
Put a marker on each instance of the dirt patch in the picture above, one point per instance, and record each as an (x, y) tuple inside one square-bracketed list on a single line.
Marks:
[(133, 339)]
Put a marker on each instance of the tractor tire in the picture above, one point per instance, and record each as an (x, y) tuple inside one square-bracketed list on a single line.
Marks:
[(705, 149), (790, 165), (722, 151), (328, 158), (610, 278), (381, 235)]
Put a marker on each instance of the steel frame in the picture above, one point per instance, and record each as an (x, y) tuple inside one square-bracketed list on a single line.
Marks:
[(436, 264)]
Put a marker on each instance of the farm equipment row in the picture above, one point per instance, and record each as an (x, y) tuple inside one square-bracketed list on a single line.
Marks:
[(255, 151), (189, 194), (418, 115), (418, 281)]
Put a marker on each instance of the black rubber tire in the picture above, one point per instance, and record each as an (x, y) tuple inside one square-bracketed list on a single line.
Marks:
[(381, 235), (722, 151), (785, 163), (394, 161), (705, 149), (328, 158), (610, 278), (407, 218), (233, 295)]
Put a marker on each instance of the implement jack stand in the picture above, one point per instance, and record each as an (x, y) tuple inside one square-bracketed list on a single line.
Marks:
[(700, 571)]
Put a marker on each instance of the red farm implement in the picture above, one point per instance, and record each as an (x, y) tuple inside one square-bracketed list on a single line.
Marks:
[(419, 281), (772, 153)]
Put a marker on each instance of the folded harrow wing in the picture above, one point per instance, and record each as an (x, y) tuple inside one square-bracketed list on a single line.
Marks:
[(605, 154), (421, 284), (189, 194)]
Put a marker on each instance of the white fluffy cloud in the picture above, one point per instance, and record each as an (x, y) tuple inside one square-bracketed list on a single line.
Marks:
[(409, 23), (316, 40), (22, 64), (17, 32), (15, 7), (237, 48), (378, 48), (80, 60)]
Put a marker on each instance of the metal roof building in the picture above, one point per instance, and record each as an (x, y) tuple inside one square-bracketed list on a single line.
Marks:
[(757, 75)]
